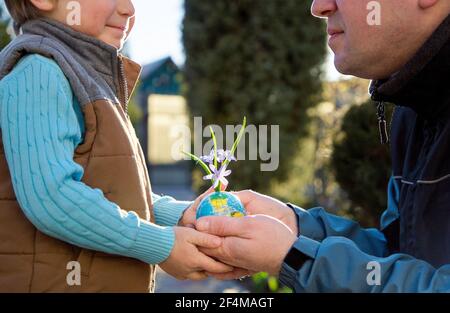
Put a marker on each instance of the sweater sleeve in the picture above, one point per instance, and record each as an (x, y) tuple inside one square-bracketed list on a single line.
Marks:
[(168, 211), (40, 133)]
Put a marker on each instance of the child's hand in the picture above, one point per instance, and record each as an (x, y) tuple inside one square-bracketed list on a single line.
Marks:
[(187, 262), (189, 217)]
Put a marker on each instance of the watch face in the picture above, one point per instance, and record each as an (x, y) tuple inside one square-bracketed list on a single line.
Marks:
[(295, 258)]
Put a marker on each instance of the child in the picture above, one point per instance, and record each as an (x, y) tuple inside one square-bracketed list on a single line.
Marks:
[(73, 180)]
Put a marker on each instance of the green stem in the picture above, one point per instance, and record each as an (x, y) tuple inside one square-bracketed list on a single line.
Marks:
[(213, 135), (199, 161), (238, 139)]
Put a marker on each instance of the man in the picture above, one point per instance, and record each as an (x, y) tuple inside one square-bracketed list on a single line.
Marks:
[(407, 57)]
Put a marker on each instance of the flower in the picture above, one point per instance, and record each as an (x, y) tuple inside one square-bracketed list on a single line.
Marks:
[(222, 155), (208, 158), (218, 160), (218, 175), (225, 156)]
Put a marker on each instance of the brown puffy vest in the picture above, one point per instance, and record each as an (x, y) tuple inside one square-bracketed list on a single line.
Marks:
[(110, 154)]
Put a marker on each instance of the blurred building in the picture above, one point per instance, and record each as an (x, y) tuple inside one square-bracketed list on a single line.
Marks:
[(162, 131)]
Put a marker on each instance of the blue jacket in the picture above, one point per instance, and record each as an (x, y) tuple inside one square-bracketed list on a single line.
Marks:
[(411, 251)]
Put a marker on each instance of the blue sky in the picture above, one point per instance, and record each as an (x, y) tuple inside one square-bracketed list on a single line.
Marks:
[(157, 32)]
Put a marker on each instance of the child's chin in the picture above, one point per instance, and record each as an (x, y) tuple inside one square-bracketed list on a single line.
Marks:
[(116, 44)]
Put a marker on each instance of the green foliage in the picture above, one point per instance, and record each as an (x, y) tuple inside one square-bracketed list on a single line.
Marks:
[(362, 164), (4, 21), (259, 59), (263, 282), (4, 37)]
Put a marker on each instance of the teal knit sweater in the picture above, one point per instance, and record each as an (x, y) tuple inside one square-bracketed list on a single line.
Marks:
[(41, 125)]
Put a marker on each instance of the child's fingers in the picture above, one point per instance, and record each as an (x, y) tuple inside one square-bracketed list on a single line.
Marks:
[(223, 187), (197, 276)]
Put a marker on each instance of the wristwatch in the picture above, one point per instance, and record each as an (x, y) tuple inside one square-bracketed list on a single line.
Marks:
[(295, 258)]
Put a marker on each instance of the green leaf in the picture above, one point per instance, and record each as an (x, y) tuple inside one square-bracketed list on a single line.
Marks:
[(272, 283), (199, 161)]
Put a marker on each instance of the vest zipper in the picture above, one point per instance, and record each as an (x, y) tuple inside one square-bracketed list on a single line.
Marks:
[(124, 85)]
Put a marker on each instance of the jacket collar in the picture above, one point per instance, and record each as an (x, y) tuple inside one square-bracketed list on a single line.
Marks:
[(103, 58), (422, 84)]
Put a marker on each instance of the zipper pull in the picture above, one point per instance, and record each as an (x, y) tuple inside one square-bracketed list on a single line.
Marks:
[(382, 126)]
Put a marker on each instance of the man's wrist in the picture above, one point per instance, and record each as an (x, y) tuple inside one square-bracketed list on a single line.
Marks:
[(302, 251), (293, 220)]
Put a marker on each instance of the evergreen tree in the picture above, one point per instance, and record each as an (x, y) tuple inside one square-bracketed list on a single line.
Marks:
[(4, 23), (362, 164), (261, 59)]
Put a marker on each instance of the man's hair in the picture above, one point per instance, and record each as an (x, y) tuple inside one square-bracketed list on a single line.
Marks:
[(21, 11)]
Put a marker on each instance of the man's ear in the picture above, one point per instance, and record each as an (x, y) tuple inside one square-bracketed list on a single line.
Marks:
[(44, 5), (425, 4)]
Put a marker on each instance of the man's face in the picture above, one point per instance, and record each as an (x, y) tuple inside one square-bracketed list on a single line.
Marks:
[(365, 49)]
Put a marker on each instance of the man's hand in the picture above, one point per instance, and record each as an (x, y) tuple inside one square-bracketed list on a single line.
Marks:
[(257, 243), (256, 203), (187, 262)]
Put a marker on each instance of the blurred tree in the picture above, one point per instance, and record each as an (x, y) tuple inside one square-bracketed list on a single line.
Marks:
[(4, 23), (261, 59), (362, 164), (311, 181)]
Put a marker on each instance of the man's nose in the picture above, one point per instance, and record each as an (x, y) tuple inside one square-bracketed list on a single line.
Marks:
[(323, 8)]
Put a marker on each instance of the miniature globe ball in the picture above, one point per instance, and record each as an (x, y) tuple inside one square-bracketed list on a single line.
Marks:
[(221, 204)]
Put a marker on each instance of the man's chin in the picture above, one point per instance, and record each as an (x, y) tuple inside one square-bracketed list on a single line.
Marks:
[(346, 67), (342, 65)]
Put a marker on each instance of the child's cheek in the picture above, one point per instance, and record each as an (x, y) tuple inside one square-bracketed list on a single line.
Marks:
[(95, 15)]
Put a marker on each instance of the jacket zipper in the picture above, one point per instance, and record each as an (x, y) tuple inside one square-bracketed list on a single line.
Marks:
[(382, 126), (124, 86)]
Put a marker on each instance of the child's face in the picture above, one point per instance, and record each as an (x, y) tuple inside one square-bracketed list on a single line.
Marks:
[(108, 20)]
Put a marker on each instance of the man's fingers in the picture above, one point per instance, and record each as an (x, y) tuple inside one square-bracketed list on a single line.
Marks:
[(214, 253), (221, 255), (221, 225), (245, 196), (235, 274), (210, 265), (205, 240)]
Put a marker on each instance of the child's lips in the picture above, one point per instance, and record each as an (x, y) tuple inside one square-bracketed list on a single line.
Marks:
[(119, 31), (121, 28)]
